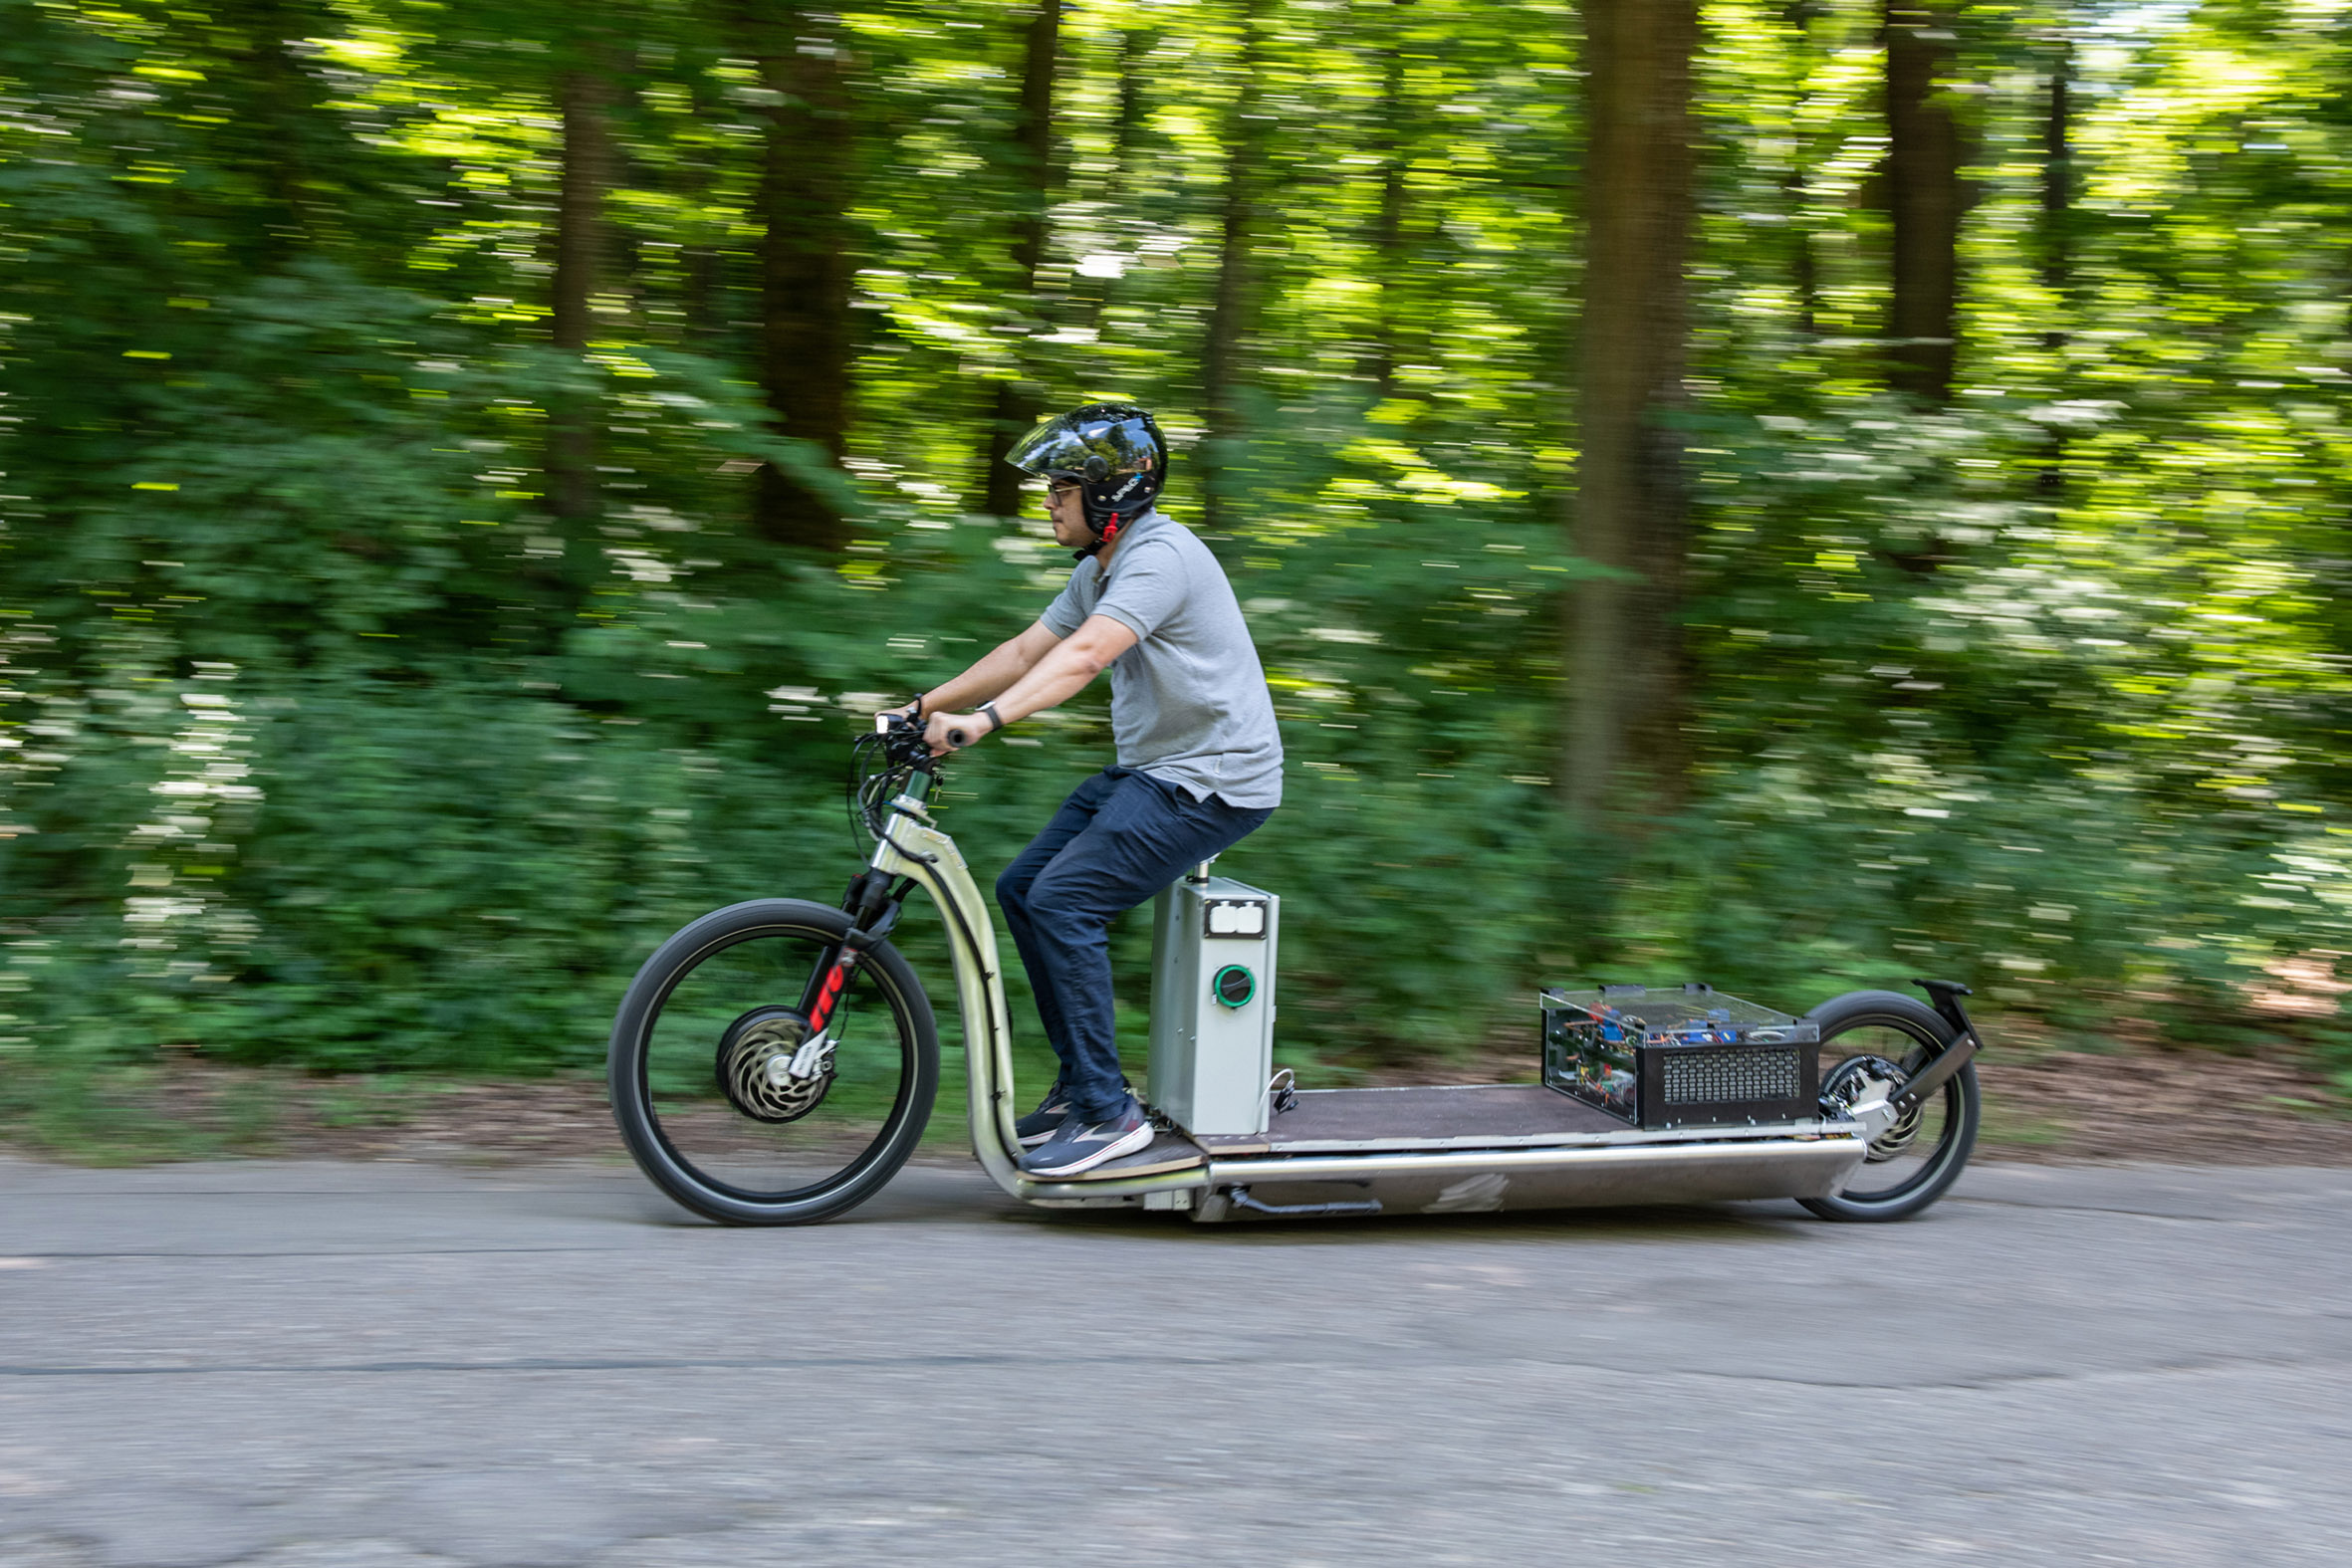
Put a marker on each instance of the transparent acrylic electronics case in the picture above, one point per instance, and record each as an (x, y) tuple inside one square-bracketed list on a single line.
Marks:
[(1686, 1056)]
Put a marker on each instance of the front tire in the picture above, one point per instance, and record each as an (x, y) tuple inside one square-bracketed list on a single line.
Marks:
[(725, 1154), (1916, 1161)]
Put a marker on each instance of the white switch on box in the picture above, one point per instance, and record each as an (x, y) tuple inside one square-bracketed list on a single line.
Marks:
[(1236, 920)]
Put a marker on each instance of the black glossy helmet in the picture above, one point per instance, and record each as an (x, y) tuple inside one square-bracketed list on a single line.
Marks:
[(1113, 451)]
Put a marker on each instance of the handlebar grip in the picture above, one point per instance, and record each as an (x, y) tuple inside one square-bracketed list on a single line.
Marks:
[(959, 739)]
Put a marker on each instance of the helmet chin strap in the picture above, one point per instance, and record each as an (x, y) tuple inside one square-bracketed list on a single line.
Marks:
[(1109, 533)]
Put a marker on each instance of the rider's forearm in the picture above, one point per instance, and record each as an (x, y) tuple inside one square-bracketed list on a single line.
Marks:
[(990, 675), (1054, 680)]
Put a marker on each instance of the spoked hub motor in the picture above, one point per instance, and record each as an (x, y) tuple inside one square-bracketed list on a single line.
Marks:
[(769, 1069), (1848, 1083)]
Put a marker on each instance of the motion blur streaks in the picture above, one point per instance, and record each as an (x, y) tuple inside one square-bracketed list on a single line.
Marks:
[(468, 470)]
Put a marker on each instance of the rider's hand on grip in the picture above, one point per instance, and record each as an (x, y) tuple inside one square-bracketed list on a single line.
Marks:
[(945, 732)]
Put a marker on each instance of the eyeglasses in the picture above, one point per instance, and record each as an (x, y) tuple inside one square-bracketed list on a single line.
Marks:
[(1063, 491)]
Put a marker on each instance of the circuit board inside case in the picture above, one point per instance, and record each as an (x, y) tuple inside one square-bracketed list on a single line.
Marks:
[(1678, 1057)]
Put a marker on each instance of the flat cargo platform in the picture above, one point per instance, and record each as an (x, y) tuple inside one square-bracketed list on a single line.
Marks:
[(1448, 1116), (1433, 1119), (1476, 1146), (1337, 1121)]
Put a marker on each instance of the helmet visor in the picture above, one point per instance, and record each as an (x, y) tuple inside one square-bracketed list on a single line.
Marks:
[(1090, 445)]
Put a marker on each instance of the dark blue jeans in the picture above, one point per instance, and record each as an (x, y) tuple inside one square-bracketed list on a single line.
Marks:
[(1119, 838)]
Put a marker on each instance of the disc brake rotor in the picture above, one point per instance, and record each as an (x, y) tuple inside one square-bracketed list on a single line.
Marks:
[(1846, 1086), (769, 1069)]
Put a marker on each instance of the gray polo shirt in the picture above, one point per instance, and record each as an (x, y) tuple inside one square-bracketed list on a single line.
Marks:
[(1188, 703)]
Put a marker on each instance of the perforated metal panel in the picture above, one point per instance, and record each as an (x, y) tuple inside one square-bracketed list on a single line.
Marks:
[(1688, 1058), (1700, 1077)]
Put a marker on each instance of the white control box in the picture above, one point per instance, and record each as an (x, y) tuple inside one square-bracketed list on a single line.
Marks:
[(1212, 1006)]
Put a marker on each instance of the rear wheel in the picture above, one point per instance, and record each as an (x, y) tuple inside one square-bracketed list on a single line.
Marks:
[(1887, 1035), (728, 1104)]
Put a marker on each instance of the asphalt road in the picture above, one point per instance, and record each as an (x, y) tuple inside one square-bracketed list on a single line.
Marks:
[(390, 1366)]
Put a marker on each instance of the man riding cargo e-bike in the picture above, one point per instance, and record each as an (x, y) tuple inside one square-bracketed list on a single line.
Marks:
[(1200, 761), (775, 1061)]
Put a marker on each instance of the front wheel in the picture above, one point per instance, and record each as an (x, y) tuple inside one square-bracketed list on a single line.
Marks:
[(1890, 1035), (727, 1103)]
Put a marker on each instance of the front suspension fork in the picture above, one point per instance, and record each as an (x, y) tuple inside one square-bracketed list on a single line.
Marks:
[(874, 909)]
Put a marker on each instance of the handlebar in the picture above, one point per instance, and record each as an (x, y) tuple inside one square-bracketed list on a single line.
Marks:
[(897, 723), (902, 738), (904, 763)]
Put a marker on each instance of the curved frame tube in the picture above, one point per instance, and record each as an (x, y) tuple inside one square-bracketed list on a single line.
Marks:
[(918, 851)]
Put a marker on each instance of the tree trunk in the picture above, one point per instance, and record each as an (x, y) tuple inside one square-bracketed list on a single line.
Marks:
[(583, 97), (1234, 312), (2058, 251), (1804, 272), (1804, 267), (1626, 678), (1135, 46), (1015, 407), (278, 122), (2057, 188), (1388, 239), (1923, 199), (805, 343), (704, 287)]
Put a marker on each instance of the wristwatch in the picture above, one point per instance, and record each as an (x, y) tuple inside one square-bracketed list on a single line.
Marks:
[(996, 720)]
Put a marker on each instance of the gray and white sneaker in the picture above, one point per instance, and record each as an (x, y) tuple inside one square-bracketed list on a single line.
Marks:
[(1079, 1145), (1038, 1125), (1052, 1112)]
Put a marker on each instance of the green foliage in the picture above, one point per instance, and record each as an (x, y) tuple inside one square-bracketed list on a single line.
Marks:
[(325, 740)]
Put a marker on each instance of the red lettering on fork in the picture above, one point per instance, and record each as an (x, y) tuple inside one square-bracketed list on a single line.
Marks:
[(836, 979)]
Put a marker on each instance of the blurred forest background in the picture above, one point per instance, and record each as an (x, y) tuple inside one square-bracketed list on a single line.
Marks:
[(1794, 495)]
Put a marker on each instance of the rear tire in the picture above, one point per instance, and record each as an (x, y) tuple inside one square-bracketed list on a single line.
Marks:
[(1902, 1030), (733, 1165)]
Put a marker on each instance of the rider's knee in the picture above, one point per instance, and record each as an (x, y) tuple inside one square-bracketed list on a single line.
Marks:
[(1012, 891), (1052, 898)]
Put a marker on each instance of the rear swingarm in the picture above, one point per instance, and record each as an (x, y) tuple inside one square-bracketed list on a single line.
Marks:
[(1946, 995)]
